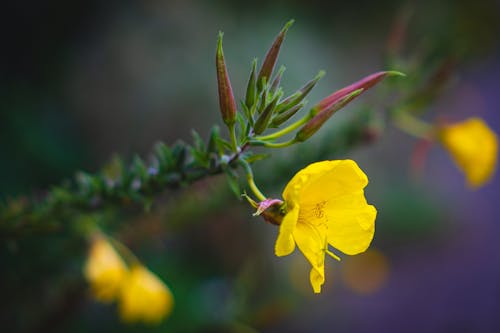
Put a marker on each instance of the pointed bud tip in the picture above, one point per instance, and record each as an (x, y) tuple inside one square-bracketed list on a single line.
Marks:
[(354, 94), (219, 41), (320, 74), (288, 24), (395, 73)]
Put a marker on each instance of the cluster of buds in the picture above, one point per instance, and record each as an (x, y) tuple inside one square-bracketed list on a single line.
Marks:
[(266, 107)]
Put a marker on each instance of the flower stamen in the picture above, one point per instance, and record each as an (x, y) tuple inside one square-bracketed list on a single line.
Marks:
[(331, 254)]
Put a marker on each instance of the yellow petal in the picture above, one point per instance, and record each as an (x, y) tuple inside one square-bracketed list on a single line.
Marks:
[(294, 186), (285, 243), (311, 241), (104, 270), (351, 223), (334, 196), (473, 146), (144, 297), (327, 204), (341, 178)]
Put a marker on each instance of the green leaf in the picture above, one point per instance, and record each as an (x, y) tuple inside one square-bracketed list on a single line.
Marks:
[(165, 157), (251, 158), (201, 158), (251, 87), (243, 126), (138, 168), (212, 141), (179, 153), (232, 179), (198, 142), (247, 113), (263, 120), (223, 145)]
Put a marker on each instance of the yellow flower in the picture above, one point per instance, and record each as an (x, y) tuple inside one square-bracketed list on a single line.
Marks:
[(325, 205), (473, 147), (105, 270), (144, 297)]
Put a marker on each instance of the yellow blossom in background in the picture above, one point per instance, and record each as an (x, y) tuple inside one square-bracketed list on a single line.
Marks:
[(105, 270), (473, 146), (144, 297), (325, 205)]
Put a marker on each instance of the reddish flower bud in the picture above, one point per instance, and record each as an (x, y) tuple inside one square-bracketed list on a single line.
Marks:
[(363, 84), (272, 56), (313, 125), (226, 97)]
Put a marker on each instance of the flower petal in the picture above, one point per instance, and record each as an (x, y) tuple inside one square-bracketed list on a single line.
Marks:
[(105, 270), (351, 223), (335, 179), (294, 186), (285, 243), (144, 297), (311, 241), (473, 147)]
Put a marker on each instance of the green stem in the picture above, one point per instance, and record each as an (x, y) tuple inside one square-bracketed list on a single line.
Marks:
[(232, 133), (250, 180), (286, 130), (412, 125), (279, 144)]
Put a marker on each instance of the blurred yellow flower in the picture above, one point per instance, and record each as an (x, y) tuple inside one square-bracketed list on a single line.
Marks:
[(105, 270), (473, 147), (325, 205), (144, 297)]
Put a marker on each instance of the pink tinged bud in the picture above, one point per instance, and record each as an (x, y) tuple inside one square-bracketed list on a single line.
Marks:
[(272, 56), (264, 205), (313, 125), (277, 80), (271, 210), (363, 84), (226, 97)]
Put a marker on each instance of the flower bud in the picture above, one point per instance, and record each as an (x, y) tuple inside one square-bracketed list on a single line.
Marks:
[(272, 56), (263, 120), (299, 95), (251, 92), (226, 97), (313, 125), (363, 84), (281, 118), (277, 80)]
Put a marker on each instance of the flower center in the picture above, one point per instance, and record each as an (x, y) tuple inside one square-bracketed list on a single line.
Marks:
[(314, 214), (318, 211)]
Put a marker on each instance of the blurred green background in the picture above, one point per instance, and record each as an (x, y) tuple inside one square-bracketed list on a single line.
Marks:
[(83, 80)]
